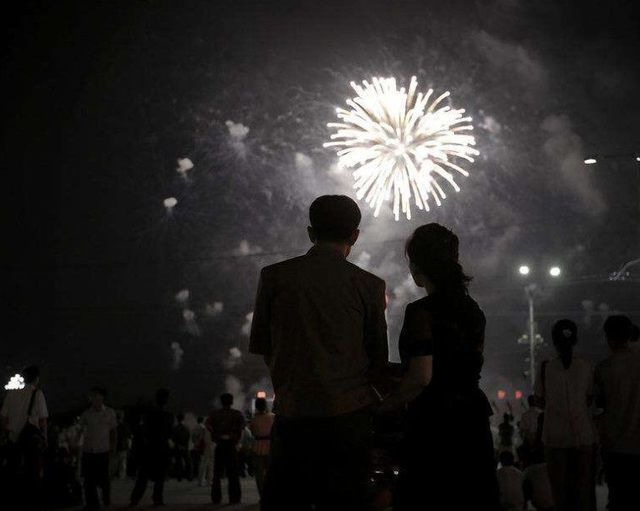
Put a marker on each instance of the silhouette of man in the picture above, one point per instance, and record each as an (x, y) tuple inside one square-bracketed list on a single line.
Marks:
[(319, 322), (226, 426), (157, 427)]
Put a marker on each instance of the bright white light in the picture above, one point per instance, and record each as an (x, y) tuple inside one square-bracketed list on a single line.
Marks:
[(184, 165), (590, 161), (638, 159), (401, 144), (524, 270), (555, 271), (16, 382), (170, 203)]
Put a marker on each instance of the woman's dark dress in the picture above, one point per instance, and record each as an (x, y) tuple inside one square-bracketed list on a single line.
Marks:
[(447, 454)]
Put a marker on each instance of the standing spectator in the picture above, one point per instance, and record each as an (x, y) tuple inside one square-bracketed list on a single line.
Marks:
[(205, 474), (441, 346), (155, 452), (529, 422), (510, 481), (505, 432), (226, 427), (197, 446), (617, 381), (181, 439), (565, 387), (99, 425), (319, 322), (529, 433), (123, 445), (537, 486), (260, 427), (24, 416)]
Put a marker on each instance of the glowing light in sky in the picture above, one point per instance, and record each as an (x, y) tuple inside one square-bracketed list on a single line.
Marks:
[(401, 144), (184, 166), (524, 270), (555, 271), (170, 203), (16, 382)]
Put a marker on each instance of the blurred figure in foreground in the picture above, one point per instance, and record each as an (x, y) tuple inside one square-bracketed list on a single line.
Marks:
[(510, 483), (24, 416), (617, 387)]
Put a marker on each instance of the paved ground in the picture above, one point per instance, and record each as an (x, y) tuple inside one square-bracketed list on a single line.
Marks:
[(186, 496)]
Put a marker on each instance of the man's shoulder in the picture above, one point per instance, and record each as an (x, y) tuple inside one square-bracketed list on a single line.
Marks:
[(366, 276), (285, 265)]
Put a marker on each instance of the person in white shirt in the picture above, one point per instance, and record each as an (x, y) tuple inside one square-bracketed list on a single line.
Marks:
[(24, 416), (510, 481), (537, 486), (99, 425), (617, 384), (197, 446), (565, 387)]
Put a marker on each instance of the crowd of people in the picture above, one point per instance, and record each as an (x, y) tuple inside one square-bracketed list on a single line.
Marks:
[(319, 322), (582, 425), (47, 464)]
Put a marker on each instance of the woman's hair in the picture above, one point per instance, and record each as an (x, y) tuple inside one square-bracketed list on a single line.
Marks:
[(564, 334), (433, 250)]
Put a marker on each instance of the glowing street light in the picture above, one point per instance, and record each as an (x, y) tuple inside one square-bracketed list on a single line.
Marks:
[(524, 270), (591, 160), (531, 337)]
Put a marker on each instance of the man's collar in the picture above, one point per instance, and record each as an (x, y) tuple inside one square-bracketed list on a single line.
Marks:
[(326, 250)]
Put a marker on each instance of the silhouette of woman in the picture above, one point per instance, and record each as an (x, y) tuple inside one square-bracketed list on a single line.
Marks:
[(447, 456)]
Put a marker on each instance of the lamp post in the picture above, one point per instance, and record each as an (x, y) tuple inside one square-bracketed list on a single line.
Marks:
[(532, 338)]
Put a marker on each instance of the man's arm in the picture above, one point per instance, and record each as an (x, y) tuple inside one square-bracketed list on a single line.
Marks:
[(260, 339), (375, 337)]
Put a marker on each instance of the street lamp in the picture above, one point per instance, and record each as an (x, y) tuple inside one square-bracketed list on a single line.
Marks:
[(533, 339), (591, 160)]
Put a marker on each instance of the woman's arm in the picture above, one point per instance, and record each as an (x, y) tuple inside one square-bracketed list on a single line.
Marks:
[(412, 384)]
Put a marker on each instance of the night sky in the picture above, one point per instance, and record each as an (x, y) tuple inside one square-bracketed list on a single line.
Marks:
[(102, 98)]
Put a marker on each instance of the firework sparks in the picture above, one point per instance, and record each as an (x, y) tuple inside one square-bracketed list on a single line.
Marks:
[(401, 144)]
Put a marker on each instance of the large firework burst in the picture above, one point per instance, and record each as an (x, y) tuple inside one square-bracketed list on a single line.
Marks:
[(400, 145)]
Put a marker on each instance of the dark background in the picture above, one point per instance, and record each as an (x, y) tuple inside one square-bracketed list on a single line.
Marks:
[(101, 98)]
